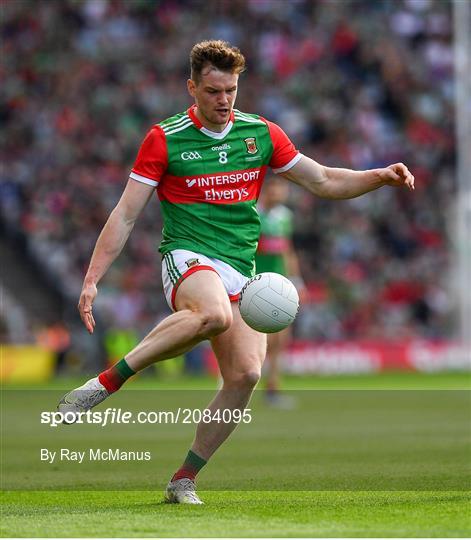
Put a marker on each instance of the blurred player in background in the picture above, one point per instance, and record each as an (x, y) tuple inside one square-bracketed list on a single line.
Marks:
[(207, 165), (275, 253)]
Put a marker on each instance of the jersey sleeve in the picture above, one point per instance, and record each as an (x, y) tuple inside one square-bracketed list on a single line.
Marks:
[(152, 158), (285, 155)]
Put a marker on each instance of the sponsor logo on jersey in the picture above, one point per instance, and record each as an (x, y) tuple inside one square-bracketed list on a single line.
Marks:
[(251, 145), (190, 155), (238, 194), (222, 188), (224, 146), (192, 262), (223, 179)]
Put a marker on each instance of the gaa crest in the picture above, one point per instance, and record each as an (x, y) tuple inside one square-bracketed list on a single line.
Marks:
[(192, 262), (251, 145)]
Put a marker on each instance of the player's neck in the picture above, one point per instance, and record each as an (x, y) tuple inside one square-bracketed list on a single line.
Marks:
[(217, 128)]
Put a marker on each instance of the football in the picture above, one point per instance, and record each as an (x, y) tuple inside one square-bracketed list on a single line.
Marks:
[(269, 302)]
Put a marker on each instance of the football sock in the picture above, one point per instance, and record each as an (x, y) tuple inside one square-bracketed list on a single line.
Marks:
[(112, 379), (190, 468)]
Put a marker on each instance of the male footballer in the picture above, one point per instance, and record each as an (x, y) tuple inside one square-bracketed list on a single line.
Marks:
[(207, 166)]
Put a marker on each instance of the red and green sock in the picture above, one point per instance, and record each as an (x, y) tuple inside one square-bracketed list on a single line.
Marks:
[(114, 377), (191, 467)]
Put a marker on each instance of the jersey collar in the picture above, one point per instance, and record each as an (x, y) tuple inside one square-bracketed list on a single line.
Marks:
[(214, 134)]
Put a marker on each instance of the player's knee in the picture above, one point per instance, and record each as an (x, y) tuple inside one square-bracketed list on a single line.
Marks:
[(214, 321), (250, 378), (243, 379)]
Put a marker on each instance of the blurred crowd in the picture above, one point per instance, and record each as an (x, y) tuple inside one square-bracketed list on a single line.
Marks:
[(358, 84)]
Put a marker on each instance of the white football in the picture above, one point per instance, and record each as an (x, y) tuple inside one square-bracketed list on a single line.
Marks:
[(269, 302)]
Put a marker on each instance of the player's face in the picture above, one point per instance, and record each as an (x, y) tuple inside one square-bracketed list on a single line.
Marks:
[(215, 95)]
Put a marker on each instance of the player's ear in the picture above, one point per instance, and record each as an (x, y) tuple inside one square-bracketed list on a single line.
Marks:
[(191, 85)]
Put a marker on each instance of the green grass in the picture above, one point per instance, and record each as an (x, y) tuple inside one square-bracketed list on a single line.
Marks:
[(360, 456), (396, 380), (237, 514)]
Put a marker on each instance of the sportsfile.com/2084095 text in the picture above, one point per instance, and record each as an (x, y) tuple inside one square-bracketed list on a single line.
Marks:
[(181, 415)]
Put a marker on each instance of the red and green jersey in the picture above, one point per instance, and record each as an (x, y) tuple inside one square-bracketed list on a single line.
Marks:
[(208, 183), (275, 239)]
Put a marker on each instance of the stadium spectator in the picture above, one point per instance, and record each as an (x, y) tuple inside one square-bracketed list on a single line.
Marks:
[(355, 84)]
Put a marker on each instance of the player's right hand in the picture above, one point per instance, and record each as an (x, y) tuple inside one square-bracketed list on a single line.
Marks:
[(87, 296), (398, 175)]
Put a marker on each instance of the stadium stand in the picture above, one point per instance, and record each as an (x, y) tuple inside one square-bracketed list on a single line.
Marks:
[(355, 84)]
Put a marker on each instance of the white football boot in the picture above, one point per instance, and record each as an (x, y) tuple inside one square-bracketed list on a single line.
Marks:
[(82, 399), (182, 491)]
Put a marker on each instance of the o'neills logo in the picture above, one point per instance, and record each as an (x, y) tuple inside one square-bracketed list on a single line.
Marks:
[(224, 146), (257, 277), (251, 145)]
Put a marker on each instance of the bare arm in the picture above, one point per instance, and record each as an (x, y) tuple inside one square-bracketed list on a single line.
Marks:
[(333, 183), (110, 243)]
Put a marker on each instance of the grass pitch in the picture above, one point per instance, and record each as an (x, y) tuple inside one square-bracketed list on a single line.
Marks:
[(388, 464), (237, 514)]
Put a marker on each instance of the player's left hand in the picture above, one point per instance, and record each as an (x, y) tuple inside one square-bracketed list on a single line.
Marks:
[(87, 296), (398, 175)]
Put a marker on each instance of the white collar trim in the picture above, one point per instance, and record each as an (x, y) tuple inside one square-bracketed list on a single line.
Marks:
[(216, 134)]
